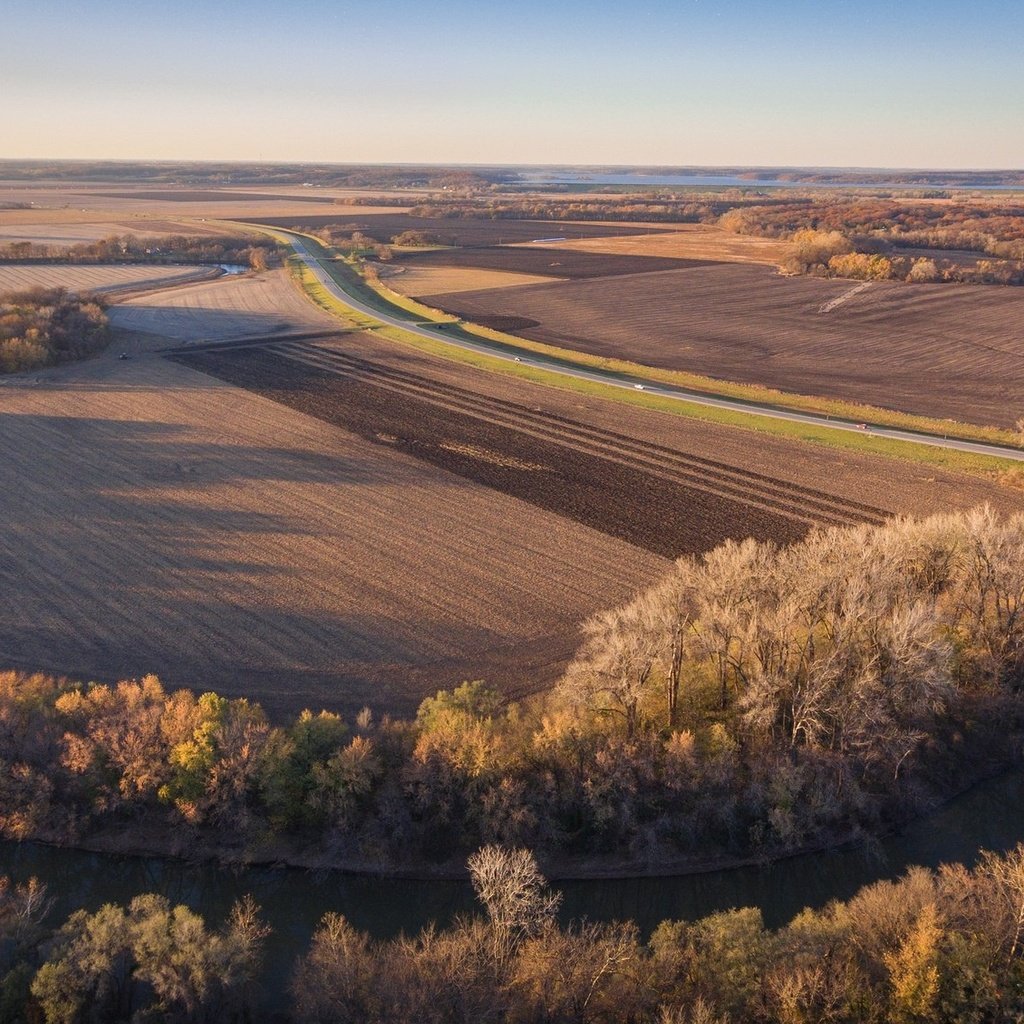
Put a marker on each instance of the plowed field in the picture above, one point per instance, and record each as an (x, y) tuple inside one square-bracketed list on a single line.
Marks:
[(156, 519), (566, 264), (230, 307), (937, 350), (648, 495)]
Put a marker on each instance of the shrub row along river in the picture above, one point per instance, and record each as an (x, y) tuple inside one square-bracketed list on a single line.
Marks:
[(293, 901)]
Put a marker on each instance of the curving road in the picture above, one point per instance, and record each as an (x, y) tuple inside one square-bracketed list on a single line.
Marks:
[(552, 365)]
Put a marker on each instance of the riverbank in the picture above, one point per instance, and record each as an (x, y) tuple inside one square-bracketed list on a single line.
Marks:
[(295, 897), (194, 850)]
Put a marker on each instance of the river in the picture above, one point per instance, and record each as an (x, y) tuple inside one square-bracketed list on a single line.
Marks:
[(986, 817), (734, 181)]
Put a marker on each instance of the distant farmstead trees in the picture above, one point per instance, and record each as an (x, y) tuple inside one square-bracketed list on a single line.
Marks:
[(44, 326), (812, 249), (255, 252)]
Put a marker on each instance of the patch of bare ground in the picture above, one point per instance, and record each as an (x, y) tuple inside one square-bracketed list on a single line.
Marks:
[(97, 278), (230, 307), (936, 350), (159, 520), (685, 241)]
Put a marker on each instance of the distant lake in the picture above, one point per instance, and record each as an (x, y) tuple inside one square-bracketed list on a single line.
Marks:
[(733, 181)]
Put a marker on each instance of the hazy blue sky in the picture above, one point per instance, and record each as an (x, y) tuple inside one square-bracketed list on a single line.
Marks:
[(822, 82)]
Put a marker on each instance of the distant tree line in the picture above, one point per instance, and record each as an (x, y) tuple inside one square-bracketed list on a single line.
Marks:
[(832, 254), (832, 234), (671, 207), (217, 173), (44, 326), (624, 208), (865, 239), (257, 253), (351, 239), (754, 702), (933, 947)]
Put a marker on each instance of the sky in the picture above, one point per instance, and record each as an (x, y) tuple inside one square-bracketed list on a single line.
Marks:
[(900, 83)]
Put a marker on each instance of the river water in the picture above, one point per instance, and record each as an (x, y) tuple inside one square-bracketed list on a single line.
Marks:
[(293, 901), (733, 181)]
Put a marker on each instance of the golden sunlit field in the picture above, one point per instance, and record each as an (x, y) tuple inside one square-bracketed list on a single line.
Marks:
[(416, 280), (685, 241)]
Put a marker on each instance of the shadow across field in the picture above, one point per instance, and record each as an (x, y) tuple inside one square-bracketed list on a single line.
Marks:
[(319, 571), (332, 668), (198, 324), (138, 454)]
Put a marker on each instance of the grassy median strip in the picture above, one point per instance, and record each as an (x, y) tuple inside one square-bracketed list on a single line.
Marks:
[(940, 458)]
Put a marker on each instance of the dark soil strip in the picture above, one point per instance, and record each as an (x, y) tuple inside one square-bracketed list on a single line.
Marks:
[(557, 263), (788, 498), (622, 501)]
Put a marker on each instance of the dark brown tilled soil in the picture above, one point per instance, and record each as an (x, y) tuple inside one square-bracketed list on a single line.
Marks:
[(645, 506), (752, 488), (562, 263)]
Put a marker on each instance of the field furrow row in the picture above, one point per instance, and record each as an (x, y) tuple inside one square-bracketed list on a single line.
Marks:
[(786, 499)]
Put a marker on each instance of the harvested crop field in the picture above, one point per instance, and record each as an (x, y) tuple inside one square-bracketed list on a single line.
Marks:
[(566, 264), (68, 204), (650, 496), (939, 350), (898, 487), (412, 279), (452, 230), (157, 519), (67, 232), (230, 307), (97, 278), (686, 241)]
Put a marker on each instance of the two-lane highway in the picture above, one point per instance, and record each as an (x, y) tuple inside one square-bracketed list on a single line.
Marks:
[(551, 365)]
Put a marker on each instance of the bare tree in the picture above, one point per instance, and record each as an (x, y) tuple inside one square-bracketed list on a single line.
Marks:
[(515, 894), (621, 649)]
